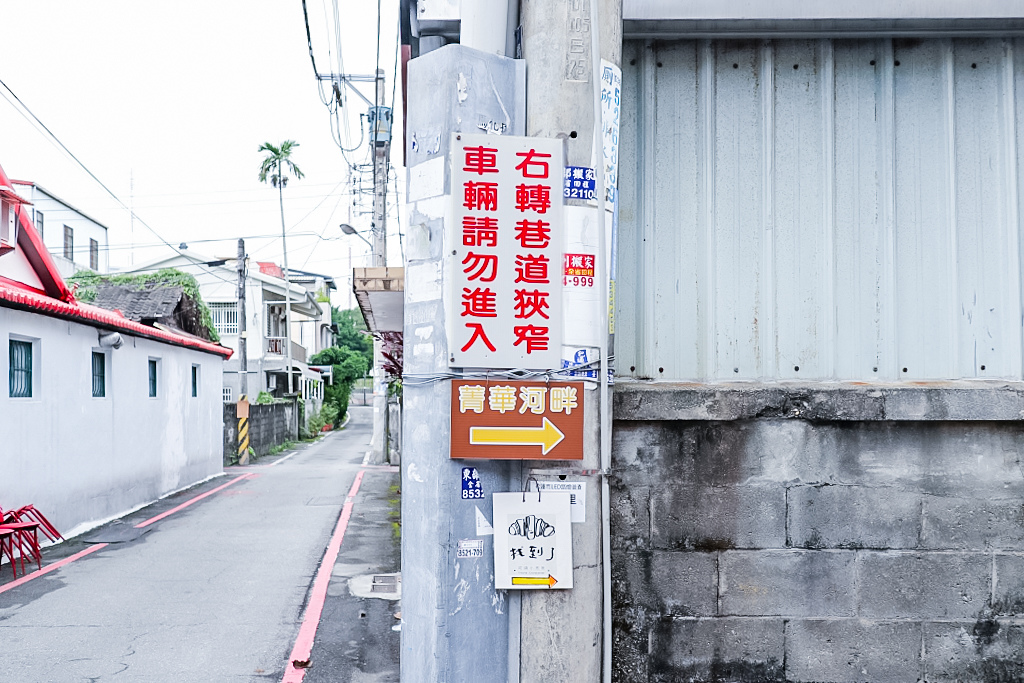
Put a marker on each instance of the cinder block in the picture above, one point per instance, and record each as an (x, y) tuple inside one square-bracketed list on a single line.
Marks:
[(1009, 589), (695, 518), (922, 585), (630, 517), (786, 583), (981, 650), (666, 583), (853, 517), (731, 649), (645, 453), (631, 582), (972, 524), (852, 650), (685, 583)]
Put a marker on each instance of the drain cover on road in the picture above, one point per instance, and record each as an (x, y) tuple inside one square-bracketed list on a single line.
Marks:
[(383, 586)]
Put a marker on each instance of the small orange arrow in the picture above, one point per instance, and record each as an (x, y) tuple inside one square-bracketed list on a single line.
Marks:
[(547, 436), (534, 581)]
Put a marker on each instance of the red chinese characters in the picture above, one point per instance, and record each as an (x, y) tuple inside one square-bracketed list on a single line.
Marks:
[(480, 231), (507, 297)]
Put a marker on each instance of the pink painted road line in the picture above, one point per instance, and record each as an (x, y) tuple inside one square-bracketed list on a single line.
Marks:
[(77, 556), (188, 502), (311, 620), (50, 567)]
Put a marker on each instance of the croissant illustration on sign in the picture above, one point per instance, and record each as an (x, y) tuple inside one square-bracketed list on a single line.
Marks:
[(531, 527)]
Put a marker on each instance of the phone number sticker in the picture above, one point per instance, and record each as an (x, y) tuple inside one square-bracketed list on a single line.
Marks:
[(580, 183)]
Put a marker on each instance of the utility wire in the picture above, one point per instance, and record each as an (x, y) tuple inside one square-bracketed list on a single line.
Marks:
[(309, 41), (320, 237), (84, 167), (308, 214)]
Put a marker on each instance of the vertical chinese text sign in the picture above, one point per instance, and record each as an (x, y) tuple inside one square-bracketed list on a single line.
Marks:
[(506, 252)]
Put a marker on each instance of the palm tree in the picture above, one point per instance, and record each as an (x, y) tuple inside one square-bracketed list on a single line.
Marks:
[(277, 163)]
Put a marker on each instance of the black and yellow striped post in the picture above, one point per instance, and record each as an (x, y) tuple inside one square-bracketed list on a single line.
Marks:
[(242, 412)]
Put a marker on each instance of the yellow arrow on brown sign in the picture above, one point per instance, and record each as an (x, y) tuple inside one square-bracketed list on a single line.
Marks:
[(546, 436)]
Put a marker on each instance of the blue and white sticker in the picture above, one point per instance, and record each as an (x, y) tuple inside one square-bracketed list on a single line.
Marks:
[(580, 183), (472, 487)]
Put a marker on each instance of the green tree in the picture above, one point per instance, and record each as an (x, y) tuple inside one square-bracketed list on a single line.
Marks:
[(352, 333), (348, 365), (277, 163)]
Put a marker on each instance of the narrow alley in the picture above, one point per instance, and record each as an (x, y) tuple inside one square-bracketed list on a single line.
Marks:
[(227, 587)]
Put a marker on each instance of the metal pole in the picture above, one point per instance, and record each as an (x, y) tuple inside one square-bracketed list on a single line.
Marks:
[(380, 183), (605, 435), (287, 286), (243, 356)]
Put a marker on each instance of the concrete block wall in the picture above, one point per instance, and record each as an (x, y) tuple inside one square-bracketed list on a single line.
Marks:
[(270, 425), (783, 549)]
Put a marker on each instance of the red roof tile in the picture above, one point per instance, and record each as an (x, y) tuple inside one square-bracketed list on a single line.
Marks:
[(16, 296)]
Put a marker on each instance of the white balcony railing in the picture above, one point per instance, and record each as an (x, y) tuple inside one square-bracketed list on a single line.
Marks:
[(275, 347)]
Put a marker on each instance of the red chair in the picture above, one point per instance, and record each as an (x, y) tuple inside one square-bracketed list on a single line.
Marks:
[(25, 535), (31, 514), (7, 546)]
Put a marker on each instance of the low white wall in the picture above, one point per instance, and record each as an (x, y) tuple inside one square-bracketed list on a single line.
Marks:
[(82, 459)]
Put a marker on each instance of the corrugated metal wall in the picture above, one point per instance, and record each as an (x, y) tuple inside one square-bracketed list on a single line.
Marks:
[(820, 209)]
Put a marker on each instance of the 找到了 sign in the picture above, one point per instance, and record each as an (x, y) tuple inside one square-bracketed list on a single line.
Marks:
[(532, 540), (512, 420), (506, 239)]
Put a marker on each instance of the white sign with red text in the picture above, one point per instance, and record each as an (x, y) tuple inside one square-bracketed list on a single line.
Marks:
[(506, 252)]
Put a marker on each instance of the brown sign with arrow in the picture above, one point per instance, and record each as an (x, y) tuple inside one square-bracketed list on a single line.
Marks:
[(510, 420)]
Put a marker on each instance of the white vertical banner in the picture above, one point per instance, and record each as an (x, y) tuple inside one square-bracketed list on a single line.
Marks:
[(611, 106), (506, 238)]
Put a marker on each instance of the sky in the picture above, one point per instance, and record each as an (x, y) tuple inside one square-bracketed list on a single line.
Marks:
[(167, 104)]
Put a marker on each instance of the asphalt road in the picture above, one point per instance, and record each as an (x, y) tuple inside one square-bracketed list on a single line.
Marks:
[(217, 591)]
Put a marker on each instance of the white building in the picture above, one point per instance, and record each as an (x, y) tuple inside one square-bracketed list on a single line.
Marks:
[(265, 328), (99, 414), (74, 240)]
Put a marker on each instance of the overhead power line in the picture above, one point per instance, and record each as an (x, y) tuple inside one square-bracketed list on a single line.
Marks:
[(82, 165)]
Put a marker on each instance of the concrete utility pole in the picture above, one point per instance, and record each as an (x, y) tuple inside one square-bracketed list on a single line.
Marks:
[(381, 141), (455, 626), (243, 357), (564, 89)]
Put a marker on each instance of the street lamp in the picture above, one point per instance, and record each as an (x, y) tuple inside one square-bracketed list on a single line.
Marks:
[(349, 230)]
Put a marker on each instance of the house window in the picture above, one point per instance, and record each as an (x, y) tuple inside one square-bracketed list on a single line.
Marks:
[(152, 377), (20, 381), (195, 381), (94, 254), (99, 374), (69, 243), (6, 216), (39, 223), (226, 394), (225, 317)]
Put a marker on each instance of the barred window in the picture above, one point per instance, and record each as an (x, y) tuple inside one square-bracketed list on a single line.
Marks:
[(20, 378), (99, 374), (39, 223), (69, 243), (226, 394), (225, 317), (94, 254)]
